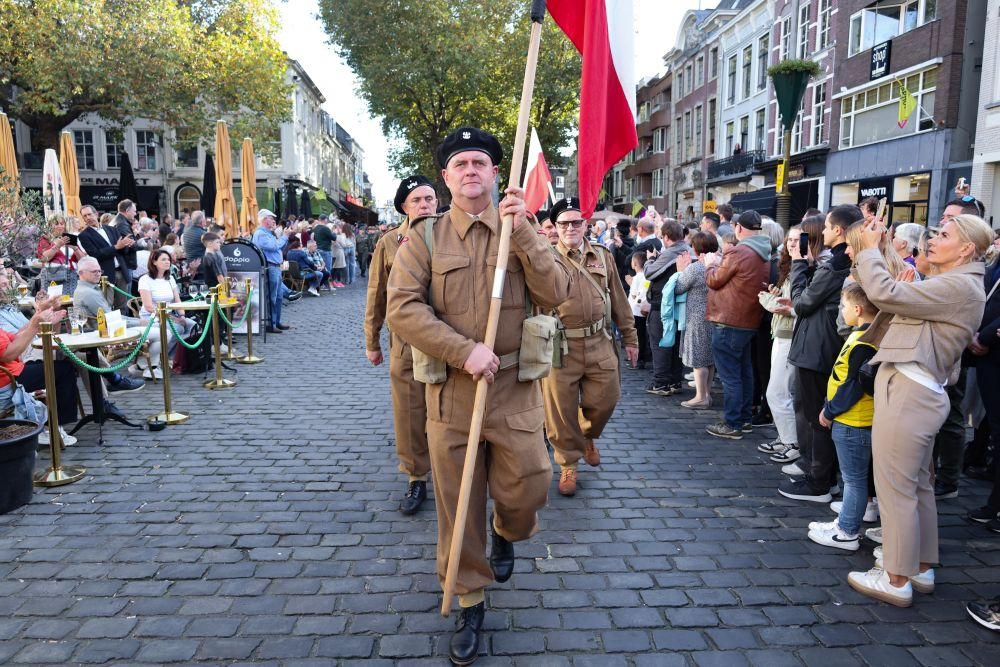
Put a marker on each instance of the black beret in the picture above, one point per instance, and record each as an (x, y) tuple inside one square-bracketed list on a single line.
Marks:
[(563, 205), (408, 185), (750, 220), (469, 139)]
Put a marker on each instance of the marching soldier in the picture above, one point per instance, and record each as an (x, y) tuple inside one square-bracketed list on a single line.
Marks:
[(439, 297), (580, 394), (415, 198)]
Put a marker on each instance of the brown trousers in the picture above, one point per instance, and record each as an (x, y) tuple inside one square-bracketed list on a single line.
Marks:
[(907, 419), (409, 411), (512, 464), (581, 396)]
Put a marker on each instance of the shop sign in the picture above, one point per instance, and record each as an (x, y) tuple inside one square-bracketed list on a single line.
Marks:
[(709, 206), (880, 60), (877, 188)]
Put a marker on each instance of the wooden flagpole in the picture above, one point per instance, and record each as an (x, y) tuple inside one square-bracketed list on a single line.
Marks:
[(503, 252)]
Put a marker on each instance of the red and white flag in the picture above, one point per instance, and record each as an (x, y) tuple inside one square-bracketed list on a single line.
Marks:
[(603, 32), (537, 179)]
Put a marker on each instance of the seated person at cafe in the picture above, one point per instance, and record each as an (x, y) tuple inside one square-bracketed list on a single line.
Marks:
[(159, 286), (309, 271), (88, 299), (317, 260)]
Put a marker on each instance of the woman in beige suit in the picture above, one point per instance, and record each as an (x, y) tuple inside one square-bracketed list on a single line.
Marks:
[(921, 331)]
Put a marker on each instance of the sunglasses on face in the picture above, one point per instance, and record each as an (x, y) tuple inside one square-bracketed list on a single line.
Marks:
[(575, 223)]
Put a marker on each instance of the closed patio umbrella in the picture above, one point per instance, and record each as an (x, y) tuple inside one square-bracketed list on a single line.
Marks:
[(277, 204), (71, 177), (8, 159), (248, 172), (127, 188), (306, 208), (208, 188), (291, 202), (225, 204), (53, 195)]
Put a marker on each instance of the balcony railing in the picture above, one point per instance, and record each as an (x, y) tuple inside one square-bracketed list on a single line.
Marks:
[(735, 165)]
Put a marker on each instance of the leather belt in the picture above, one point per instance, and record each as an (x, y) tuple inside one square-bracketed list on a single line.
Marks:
[(509, 360), (587, 331)]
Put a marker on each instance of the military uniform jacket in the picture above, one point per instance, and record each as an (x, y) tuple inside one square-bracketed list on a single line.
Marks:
[(378, 283), (459, 280), (585, 304)]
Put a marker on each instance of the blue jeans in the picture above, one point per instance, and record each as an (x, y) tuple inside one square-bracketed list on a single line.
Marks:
[(327, 256), (350, 257), (274, 293), (731, 349), (854, 450)]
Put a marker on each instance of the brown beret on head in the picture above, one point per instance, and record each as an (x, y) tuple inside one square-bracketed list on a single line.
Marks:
[(469, 139), (408, 185)]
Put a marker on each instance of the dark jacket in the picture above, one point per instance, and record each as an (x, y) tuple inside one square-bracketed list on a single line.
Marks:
[(816, 298), (734, 284), (651, 243), (124, 229), (623, 259), (101, 250), (658, 271), (991, 316)]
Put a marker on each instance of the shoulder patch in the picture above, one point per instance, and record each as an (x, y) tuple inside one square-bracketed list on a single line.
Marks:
[(403, 239)]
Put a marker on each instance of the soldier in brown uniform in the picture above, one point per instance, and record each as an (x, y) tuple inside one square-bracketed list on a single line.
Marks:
[(438, 302), (415, 198), (580, 395)]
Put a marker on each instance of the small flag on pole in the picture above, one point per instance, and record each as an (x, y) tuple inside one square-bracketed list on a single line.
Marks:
[(907, 104), (537, 179), (636, 207)]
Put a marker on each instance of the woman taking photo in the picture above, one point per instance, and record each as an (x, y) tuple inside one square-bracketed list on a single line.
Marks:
[(920, 333), (58, 256)]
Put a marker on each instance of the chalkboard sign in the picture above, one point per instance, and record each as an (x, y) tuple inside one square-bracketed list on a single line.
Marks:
[(880, 60)]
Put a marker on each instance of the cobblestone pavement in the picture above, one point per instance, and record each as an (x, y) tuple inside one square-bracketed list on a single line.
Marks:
[(265, 531)]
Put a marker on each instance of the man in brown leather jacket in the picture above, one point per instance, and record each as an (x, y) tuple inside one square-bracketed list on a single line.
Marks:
[(415, 198), (734, 311), (439, 299)]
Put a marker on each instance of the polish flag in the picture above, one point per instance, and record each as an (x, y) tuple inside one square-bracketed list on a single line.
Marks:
[(537, 180), (602, 31)]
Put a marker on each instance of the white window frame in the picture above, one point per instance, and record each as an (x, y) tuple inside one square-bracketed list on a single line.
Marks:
[(699, 126), (823, 23), (713, 106), (731, 78), (657, 189), (140, 146), (760, 129), (688, 78), (802, 43), (763, 59), (746, 72), (713, 63), (784, 42), (860, 19), (699, 71), (82, 140), (660, 140), (819, 114), (730, 137), (852, 105)]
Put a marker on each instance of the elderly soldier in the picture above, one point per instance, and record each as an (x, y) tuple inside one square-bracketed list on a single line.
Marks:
[(580, 395), (415, 198), (439, 296)]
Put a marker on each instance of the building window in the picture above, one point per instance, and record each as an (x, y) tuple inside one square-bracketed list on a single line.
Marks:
[(711, 126), (731, 80), (823, 30), (188, 199), (730, 129), (114, 146), (747, 70), (882, 22), (83, 141), (698, 121), (680, 85), (786, 36), (560, 181), (818, 110), (763, 55), (678, 152), (802, 49), (688, 136), (688, 79), (713, 62), (145, 150), (871, 115), (185, 152), (744, 132), (699, 71), (797, 131), (657, 182), (660, 140), (760, 128)]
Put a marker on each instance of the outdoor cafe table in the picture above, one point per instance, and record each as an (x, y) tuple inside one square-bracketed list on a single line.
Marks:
[(91, 343)]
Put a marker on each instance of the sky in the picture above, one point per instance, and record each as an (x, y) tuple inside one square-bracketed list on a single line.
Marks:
[(302, 37)]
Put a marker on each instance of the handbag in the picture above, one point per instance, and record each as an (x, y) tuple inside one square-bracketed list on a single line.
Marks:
[(866, 376)]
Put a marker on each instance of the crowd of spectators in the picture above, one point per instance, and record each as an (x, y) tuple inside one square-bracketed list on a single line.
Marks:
[(869, 346)]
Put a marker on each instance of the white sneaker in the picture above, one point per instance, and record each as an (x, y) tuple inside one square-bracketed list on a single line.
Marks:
[(67, 439), (871, 510), (223, 348), (833, 536), (875, 583), (153, 373), (822, 525), (43, 437), (312, 290), (689, 376), (793, 469), (874, 534), (135, 370), (692, 384), (922, 582)]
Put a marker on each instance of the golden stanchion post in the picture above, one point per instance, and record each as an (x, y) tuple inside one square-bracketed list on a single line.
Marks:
[(56, 475), (104, 288), (230, 355), (168, 416), (249, 358), (219, 382)]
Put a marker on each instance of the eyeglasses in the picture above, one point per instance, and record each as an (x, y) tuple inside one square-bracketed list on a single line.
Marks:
[(575, 223)]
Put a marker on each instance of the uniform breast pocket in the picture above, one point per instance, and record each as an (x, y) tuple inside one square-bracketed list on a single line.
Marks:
[(451, 284), (513, 284)]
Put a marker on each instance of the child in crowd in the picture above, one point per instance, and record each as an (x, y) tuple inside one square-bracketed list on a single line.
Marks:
[(848, 411), (638, 287), (729, 241)]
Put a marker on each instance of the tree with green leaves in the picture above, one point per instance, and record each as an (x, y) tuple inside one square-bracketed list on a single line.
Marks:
[(183, 63), (428, 67)]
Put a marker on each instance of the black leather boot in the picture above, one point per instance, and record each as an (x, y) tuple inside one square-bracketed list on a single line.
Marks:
[(501, 556), (464, 647), (416, 494)]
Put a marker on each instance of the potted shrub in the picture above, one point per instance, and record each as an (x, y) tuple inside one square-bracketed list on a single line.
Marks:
[(18, 444)]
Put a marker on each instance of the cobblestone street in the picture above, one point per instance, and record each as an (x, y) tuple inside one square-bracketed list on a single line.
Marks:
[(266, 531)]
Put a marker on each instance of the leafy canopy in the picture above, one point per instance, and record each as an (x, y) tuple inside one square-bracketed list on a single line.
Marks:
[(184, 63), (428, 67)]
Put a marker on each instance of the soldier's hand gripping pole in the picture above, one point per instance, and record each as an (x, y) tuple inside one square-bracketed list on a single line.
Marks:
[(479, 408)]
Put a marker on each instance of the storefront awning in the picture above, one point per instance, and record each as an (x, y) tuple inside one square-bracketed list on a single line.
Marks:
[(762, 201)]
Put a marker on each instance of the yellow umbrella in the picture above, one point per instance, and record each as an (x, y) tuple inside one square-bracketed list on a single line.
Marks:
[(225, 205), (248, 211), (70, 175), (8, 160)]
